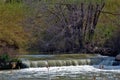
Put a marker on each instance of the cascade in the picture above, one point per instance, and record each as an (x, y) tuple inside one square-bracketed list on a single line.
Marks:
[(69, 62)]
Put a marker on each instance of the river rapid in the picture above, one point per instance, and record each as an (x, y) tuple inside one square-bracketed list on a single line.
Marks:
[(102, 71)]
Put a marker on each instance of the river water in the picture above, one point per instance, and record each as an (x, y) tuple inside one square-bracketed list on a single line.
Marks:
[(76, 72)]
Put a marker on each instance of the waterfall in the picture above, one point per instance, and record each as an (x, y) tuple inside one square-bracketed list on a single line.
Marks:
[(71, 62), (100, 60)]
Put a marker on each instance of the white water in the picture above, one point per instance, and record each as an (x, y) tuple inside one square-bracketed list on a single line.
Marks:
[(81, 72), (99, 60), (53, 72)]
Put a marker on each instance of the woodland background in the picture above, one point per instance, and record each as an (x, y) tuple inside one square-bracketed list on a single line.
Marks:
[(60, 26)]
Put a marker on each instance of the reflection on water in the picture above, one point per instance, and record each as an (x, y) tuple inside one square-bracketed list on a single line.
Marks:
[(38, 56)]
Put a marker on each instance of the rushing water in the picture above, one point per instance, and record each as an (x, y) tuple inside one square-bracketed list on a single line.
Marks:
[(63, 73), (51, 63), (78, 71)]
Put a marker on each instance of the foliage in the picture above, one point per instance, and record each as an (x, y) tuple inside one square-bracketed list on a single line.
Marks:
[(38, 24), (11, 31), (108, 23), (57, 24), (4, 57)]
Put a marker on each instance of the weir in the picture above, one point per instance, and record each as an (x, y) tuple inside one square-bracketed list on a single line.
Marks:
[(53, 63), (99, 68)]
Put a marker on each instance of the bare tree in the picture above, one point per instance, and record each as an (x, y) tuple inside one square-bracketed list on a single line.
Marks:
[(78, 23), (69, 25)]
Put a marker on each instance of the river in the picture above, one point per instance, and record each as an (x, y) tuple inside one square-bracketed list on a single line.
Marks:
[(69, 72)]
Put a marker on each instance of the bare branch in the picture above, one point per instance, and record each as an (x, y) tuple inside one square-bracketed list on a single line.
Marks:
[(111, 13)]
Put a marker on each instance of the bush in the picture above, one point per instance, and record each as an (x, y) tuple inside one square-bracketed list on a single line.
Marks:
[(5, 57)]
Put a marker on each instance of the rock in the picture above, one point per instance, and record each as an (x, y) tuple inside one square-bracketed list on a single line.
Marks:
[(116, 63), (24, 66), (106, 52), (117, 58), (13, 65)]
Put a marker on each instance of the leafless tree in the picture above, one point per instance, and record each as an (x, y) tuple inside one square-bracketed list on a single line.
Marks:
[(69, 26), (78, 23)]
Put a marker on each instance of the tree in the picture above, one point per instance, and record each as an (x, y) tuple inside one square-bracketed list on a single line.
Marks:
[(68, 25), (76, 23), (112, 15)]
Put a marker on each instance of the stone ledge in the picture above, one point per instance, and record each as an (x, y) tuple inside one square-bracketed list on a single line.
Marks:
[(11, 65)]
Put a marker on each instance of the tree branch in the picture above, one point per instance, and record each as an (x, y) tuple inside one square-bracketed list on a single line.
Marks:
[(106, 12)]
